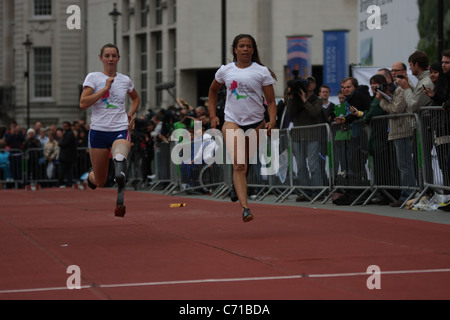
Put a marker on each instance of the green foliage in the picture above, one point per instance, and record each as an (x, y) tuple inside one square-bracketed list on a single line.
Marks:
[(428, 27)]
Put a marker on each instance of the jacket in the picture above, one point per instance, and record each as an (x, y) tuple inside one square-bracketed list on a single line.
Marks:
[(68, 147), (401, 127), (305, 113), (415, 98)]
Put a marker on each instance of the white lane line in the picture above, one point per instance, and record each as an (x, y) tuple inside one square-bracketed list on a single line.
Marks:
[(180, 282)]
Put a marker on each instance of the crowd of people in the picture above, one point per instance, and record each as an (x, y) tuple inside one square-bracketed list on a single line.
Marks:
[(52, 151), (393, 93)]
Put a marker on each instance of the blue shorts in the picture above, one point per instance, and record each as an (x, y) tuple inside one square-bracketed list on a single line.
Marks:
[(105, 140)]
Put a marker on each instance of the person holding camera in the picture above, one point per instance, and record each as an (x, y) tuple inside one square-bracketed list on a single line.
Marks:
[(400, 133), (415, 97), (247, 81), (304, 108)]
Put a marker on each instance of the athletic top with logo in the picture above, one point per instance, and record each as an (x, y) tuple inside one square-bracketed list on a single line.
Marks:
[(244, 105), (109, 112)]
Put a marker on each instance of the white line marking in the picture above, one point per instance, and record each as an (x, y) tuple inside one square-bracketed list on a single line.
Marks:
[(162, 283)]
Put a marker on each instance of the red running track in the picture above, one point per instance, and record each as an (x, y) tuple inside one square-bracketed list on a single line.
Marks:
[(205, 252)]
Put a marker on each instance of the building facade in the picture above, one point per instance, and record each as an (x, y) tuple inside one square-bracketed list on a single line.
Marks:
[(55, 63), (180, 42), (170, 42)]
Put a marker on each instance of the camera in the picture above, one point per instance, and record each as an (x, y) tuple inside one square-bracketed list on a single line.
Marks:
[(381, 87), (297, 84)]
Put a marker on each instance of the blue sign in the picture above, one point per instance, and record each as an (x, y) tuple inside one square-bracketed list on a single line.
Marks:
[(299, 55), (335, 59)]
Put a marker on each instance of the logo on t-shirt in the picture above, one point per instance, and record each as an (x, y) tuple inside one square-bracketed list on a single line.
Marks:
[(106, 101), (234, 90)]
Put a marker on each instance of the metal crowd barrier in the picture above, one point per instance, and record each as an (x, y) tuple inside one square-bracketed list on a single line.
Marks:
[(314, 160), (12, 167), (38, 170), (435, 145), (386, 177), (161, 164), (30, 166), (197, 176), (325, 158), (307, 150), (278, 184)]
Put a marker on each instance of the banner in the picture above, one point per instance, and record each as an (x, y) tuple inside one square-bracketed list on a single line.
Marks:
[(299, 55), (335, 59)]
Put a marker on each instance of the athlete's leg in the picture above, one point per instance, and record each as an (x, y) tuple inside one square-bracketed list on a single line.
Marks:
[(100, 165), (234, 145), (119, 152)]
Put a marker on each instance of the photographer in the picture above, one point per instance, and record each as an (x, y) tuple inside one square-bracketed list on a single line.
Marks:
[(400, 133), (415, 97), (305, 108)]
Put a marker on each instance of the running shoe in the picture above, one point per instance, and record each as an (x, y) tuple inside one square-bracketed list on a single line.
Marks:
[(247, 215), (89, 182), (233, 195)]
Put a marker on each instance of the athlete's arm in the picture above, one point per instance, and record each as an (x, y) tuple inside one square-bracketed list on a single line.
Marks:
[(212, 98), (88, 97), (272, 107), (135, 101)]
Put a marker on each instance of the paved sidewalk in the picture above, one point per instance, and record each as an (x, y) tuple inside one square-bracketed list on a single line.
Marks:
[(437, 216)]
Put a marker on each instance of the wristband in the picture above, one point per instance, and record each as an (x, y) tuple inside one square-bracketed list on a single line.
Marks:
[(215, 116)]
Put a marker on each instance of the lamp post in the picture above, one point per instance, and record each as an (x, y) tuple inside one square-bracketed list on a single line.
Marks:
[(115, 14), (28, 44), (224, 32)]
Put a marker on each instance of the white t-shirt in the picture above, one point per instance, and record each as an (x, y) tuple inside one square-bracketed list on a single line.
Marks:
[(109, 113), (244, 105)]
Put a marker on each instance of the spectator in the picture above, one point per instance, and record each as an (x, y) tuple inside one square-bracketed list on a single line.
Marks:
[(200, 111), (400, 132), (51, 152), (342, 151), (33, 148), (14, 141), (14, 137), (415, 97), (5, 167), (305, 108), (392, 85), (31, 142), (446, 105), (67, 154), (42, 136), (441, 85), (2, 132), (37, 127), (400, 71), (357, 99), (328, 107), (149, 152), (441, 123), (51, 148)]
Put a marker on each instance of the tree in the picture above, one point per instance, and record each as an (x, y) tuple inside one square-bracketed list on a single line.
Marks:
[(428, 27)]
